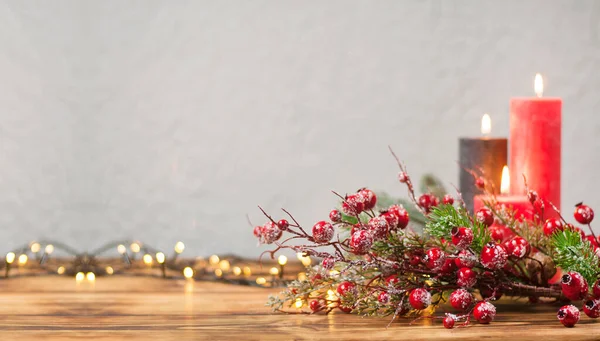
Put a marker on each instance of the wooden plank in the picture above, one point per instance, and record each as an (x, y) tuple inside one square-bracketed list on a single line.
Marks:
[(133, 308)]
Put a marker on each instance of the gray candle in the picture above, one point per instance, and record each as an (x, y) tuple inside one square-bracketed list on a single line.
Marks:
[(483, 154)]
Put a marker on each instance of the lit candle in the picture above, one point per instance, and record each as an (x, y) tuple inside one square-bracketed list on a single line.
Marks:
[(517, 203), (535, 143), (481, 154)]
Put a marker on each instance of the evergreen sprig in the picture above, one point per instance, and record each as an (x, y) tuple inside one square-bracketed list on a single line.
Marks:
[(443, 218), (571, 253)]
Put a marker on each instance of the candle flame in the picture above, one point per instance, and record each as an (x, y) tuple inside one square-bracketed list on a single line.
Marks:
[(505, 182), (486, 125), (538, 85)]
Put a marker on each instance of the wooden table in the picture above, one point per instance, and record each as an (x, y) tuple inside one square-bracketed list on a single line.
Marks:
[(133, 308)]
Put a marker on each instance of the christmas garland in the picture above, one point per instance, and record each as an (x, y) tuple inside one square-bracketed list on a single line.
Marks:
[(376, 264)]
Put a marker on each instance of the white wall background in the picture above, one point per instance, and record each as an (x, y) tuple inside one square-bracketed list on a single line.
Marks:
[(169, 120)]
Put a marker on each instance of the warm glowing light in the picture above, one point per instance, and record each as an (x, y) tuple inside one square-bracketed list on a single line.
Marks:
[(302, 276), (306, 261), (60, 270), (261, 281), (300, 255), (80, 276), (121, 249), (219, 272), (237, 271), (505, 182), (49, 249), (214, 260), (331, 296), (298, 304), (147, 259), (135, 247), (160, 257), (188, 272), (486, 125), (10, 257), (23, 259), (224, 265), (282, 260), (333, 273), (110, 270), (90, 276), (538, 85), (247, 271), (35, 247), (274, 271), (179, 247)]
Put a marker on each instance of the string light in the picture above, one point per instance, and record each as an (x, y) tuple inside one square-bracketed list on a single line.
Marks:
[(23, 259), (147, 259), (237, 271), (224, 265), (188, 272), (160, 257), (219, 272), (214, 260), (121, 249), (298, 304), (282, 260), (10, 257), (90, 276), (274, 271), (302, 276), (80, 276), (60, 270), (247, 271), (179, 247), (35, 247), (110, 270), (49, 249), (261, 281), (135, 247)]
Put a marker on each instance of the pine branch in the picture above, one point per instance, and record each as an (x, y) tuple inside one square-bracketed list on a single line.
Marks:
[(444, 218), (574, 254)]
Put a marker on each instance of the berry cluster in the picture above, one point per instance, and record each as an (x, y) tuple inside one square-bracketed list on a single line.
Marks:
[(374, 263)]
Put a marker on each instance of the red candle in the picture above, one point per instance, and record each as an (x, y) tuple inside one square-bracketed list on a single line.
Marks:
[(535, 142), (515, 202)]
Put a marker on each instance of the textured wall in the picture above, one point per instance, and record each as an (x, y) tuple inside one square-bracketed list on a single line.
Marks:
[(168, 120)]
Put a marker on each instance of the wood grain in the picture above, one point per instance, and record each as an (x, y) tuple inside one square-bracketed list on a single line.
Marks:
[(133, 308)]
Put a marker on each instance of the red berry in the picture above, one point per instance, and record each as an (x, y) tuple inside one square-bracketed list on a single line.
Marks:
[(497, 232), (449, 321), (370, 198), (484, 312), (315, 305), (517, 247), (552, 225), (354, 204), (592, 308), (435, 258), (480, 183), (465, 259), (448, 267), (493, 256), (328, 263), (419, 298), (345, 288), (593, 241), (574, 286), (427, 201), (378, 227), (596, 289), (489, 293), (322, 232), (283, 224), (402, 177), (583, 214), (392, 280), (335, 216), (270, 232), (401, 214), (461, 299), (257, 231), (462, 237), (384, 297), (345, 309), (316, 278), (448, 199), (539, 205), (568, 315), (361, 242), (415, 260), (485, 216), (466, 278)]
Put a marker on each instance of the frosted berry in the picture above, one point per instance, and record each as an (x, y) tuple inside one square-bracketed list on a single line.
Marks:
[(402, 214), (354, 204), (485, 216), (480, 183), (361, 242), (552, 225), (592, 308), (435, 258), (596, 289), (449, 321), (462, 237), (391, 219), (283, 224), (448, 267), (448, 199), (427, 201), (392, 280), (484, 312), (517, 247), (383, 298), (257, 231), (415, 260), (568, 315), (370, 199), (328, 263), (345, 309), (378, 226), (322, 232), (316, 305), (402, 177), (583, 214), (593, 241), (493, 256), (461, 299), (466, 278), (270, 232), (465, 259), (419, 298), (346, 288), (335, 216), (574, 286)]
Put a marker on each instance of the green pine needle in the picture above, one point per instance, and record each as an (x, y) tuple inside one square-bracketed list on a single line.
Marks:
[(443, 218), (571, 253)]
